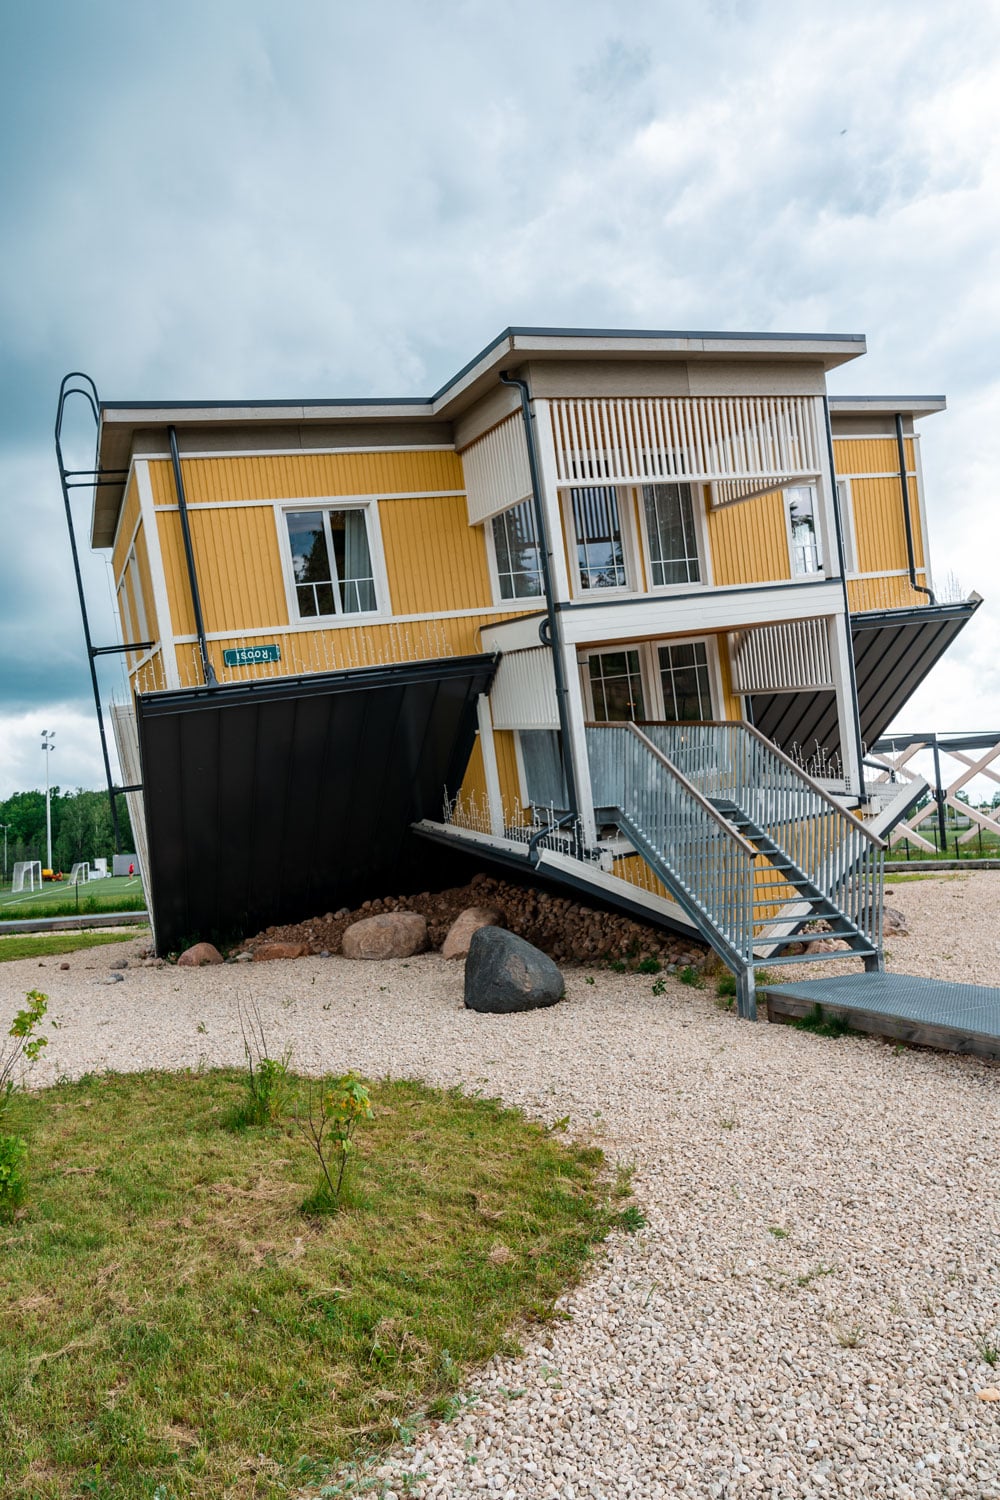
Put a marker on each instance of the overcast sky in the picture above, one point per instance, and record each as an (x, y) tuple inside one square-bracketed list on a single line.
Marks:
[(240, 198)]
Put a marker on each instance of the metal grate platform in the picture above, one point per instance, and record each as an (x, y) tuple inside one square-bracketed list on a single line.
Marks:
[(924, 1012)]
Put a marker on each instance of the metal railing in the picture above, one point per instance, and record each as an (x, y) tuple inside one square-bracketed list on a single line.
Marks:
[(684, 788)]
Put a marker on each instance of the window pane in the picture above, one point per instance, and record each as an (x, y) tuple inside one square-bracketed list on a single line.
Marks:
[(310, 562), (806, 555), (687, 695), (600, 556), (616, 686), (518, 559), (673, 544), (354, 564)]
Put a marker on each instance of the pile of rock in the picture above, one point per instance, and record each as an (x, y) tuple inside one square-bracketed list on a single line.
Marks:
[(568, 931)]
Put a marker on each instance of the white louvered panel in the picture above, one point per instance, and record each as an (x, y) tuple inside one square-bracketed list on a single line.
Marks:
[(747, 439), (781, 658), (523, 695), (496, 470)]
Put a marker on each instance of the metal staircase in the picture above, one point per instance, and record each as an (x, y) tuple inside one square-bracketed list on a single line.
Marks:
[(748, 845)]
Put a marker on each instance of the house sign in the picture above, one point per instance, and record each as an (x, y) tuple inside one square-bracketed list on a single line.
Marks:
[(249, 656)]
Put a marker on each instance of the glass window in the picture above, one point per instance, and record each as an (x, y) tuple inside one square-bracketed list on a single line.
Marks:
[(518, 555), (331, 561), (600, 555), (806, 553), (616, 686), (673, 541), (687, 692)]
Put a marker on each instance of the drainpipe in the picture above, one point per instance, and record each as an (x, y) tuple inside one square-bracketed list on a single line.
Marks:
[(838, 524), (917, 588), (199, 624), (552, 624)]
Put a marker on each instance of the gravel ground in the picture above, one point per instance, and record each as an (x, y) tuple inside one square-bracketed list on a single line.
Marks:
[(810, 1306)]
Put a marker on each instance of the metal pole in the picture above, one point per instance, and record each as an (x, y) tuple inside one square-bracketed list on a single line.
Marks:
[(208, 671), (47, 749), (5, 826), (939, 798)]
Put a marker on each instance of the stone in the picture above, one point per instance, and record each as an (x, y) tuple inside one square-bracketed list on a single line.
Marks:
[(268, 951), (64, 966), (392, 934), (201, 953), (459, 936), (894, 922), (503, 973)]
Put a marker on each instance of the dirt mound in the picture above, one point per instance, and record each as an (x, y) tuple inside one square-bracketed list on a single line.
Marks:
[(571, 932)]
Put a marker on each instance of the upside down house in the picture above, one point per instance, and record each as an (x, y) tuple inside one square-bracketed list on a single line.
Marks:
[(622, 608)]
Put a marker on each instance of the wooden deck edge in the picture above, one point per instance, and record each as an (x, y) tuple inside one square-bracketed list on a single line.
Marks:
[(784, 1008)]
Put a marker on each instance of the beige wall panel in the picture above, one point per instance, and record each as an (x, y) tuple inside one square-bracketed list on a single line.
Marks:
[(126, 524), (435, 560), (749, 541), (879, 528), (307, 476)]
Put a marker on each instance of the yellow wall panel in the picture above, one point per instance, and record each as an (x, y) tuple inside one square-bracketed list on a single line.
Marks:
[(749, 541), (126, 525), (879, 529), (870, 456), (146, 584), (885, 593), (299, 476), (435, 560), (473, 788), (339, 648), (239, 571)]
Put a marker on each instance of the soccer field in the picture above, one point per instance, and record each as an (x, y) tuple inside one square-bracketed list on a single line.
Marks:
[(55, 898)]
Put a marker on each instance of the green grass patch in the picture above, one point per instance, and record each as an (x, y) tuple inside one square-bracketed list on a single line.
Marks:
[(45, 944), (176, 1325), (820, 1024), (58, 899)]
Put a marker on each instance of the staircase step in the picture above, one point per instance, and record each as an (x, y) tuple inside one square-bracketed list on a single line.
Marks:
[(766, 960)]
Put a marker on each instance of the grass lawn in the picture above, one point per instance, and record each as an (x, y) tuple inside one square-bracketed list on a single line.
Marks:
[(175, 1325), (44, 944), (58, 899)]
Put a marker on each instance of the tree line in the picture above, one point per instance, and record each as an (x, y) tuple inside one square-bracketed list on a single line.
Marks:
[(81, 828)]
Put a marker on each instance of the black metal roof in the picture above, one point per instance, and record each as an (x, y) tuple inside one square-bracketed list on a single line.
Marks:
[(275, 801)]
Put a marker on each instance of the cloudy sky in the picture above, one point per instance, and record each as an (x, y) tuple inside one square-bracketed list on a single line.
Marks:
[(238, 198)]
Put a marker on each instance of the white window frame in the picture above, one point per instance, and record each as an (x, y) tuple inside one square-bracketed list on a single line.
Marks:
[(822, 539), (629, 557), (499, 598), (701, 537), (373, 527), (649, 666), (845, 496)]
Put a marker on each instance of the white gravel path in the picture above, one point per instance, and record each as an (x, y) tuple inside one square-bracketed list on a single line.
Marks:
[(807, 1311)]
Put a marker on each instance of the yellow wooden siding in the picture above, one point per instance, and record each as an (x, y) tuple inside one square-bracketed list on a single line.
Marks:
[(126, 525), (340, 648), (473, 788), (239, 572), (634, 869), (749, 541), (510, 786), (150, 677), (870, 456), (307, 476), (879, 529), (884, 593), (146, 584), (434, 559)]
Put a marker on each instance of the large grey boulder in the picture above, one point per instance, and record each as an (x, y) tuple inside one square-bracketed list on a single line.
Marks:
[(503, 973)]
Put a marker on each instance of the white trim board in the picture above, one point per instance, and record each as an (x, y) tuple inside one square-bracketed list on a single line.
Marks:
[(305, 501)]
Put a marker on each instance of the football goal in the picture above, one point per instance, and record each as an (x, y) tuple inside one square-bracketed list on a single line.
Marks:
[(80, 873), (28, 875)]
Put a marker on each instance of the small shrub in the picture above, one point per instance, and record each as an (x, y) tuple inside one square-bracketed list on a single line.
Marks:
[(726, 985), (27, 1045), (329, 1127), (267, 1086), (649, 965), (13, 1177), (690, 975), (632, 1219), (659, 987)]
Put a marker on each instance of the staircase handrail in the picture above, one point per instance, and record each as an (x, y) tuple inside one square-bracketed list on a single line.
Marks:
[(688, 786), (857, 823)]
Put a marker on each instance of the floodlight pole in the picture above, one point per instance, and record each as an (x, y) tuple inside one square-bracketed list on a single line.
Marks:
[(47, 749), (4, 826)]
